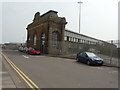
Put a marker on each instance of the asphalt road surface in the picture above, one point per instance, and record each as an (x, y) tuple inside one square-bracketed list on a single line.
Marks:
[(52, 72)]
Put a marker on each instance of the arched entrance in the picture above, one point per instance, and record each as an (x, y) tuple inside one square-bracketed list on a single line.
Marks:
[(43, 48), (56, 42), (34, 40)]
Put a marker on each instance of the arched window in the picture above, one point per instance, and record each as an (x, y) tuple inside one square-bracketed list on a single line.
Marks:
[(34, 39), (43, 38), (43, 35), (55, 36)]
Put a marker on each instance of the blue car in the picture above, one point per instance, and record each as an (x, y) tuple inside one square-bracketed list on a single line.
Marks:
[(89, 58)]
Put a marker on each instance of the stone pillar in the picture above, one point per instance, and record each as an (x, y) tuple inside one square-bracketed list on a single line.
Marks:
[(63, 48), (50, 41)]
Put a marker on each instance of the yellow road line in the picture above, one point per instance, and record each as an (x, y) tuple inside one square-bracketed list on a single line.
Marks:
[(21, 73), (25, 76)]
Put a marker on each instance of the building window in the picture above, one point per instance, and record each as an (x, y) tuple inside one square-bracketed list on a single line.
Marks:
[(43, 38), (55, 38), (34, 39), (70, 38), (81, 41), (89, 42), (73, 39), (76, 40), (65, 38), (43, 35)]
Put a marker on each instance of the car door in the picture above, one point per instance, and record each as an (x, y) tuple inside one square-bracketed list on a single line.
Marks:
[(81, 57), (84, 57), (78, 56)]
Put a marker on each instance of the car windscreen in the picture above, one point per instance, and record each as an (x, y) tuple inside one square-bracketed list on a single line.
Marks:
[(36, 49), (30, 48), (91, 54)]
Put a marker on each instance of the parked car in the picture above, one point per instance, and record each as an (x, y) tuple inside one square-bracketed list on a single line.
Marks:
[(32, 50), (21, 49), (25, 49), (89, 58)]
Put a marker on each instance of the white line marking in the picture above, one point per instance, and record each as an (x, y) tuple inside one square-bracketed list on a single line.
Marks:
[(100, 68), (69, 59), (36, 56), (3, 72), (25, 56), (113, 72)]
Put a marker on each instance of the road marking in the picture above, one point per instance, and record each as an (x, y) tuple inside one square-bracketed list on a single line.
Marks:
[(25, 56), (113, 72), (29, 82), (3, 72), (17, 71), (100, 68), (69, 60)]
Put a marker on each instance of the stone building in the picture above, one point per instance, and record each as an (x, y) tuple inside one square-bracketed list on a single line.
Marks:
[(47, 32)]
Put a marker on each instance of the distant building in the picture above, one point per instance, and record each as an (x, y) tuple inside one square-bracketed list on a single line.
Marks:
[(115, 42), (11, 46), (47, 32)]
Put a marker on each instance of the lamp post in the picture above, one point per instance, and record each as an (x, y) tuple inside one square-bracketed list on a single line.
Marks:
[(79, 13)]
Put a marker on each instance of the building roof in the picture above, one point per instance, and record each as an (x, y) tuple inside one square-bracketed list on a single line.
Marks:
[(49, 12), (85, 35)]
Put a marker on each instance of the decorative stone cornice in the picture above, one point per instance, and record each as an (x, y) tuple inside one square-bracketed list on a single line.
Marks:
[(48, 16)]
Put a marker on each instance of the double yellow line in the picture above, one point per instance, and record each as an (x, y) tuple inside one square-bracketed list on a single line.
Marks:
[(29, 82)]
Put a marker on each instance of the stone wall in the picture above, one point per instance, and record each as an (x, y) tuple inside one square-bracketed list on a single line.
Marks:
[(67, 47)]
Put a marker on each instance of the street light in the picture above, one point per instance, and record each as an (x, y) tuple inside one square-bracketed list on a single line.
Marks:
[(79, 13)]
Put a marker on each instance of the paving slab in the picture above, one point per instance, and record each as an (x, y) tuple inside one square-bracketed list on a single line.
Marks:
[(7, 81)]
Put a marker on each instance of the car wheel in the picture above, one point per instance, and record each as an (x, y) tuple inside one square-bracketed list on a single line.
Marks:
[(77, 59), (28, 53), (101, 64), (88, 62)]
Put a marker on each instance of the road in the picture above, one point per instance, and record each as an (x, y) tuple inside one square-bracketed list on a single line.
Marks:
[(52, 72)]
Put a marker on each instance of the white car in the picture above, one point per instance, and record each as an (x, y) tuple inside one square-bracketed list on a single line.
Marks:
[(21, 49), (25, 49)]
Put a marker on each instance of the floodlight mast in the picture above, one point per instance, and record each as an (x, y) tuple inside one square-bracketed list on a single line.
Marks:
[(80, 2)]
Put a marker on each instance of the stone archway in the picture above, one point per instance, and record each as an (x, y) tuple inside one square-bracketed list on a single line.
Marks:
[(43, 42), (56, 42), (34, 40)]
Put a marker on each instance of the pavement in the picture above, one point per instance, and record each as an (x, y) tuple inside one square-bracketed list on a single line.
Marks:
[(10, 79), (5, 78), (7, 81)]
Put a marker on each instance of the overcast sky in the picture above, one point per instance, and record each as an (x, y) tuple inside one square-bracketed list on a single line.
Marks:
[(99, 18)]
